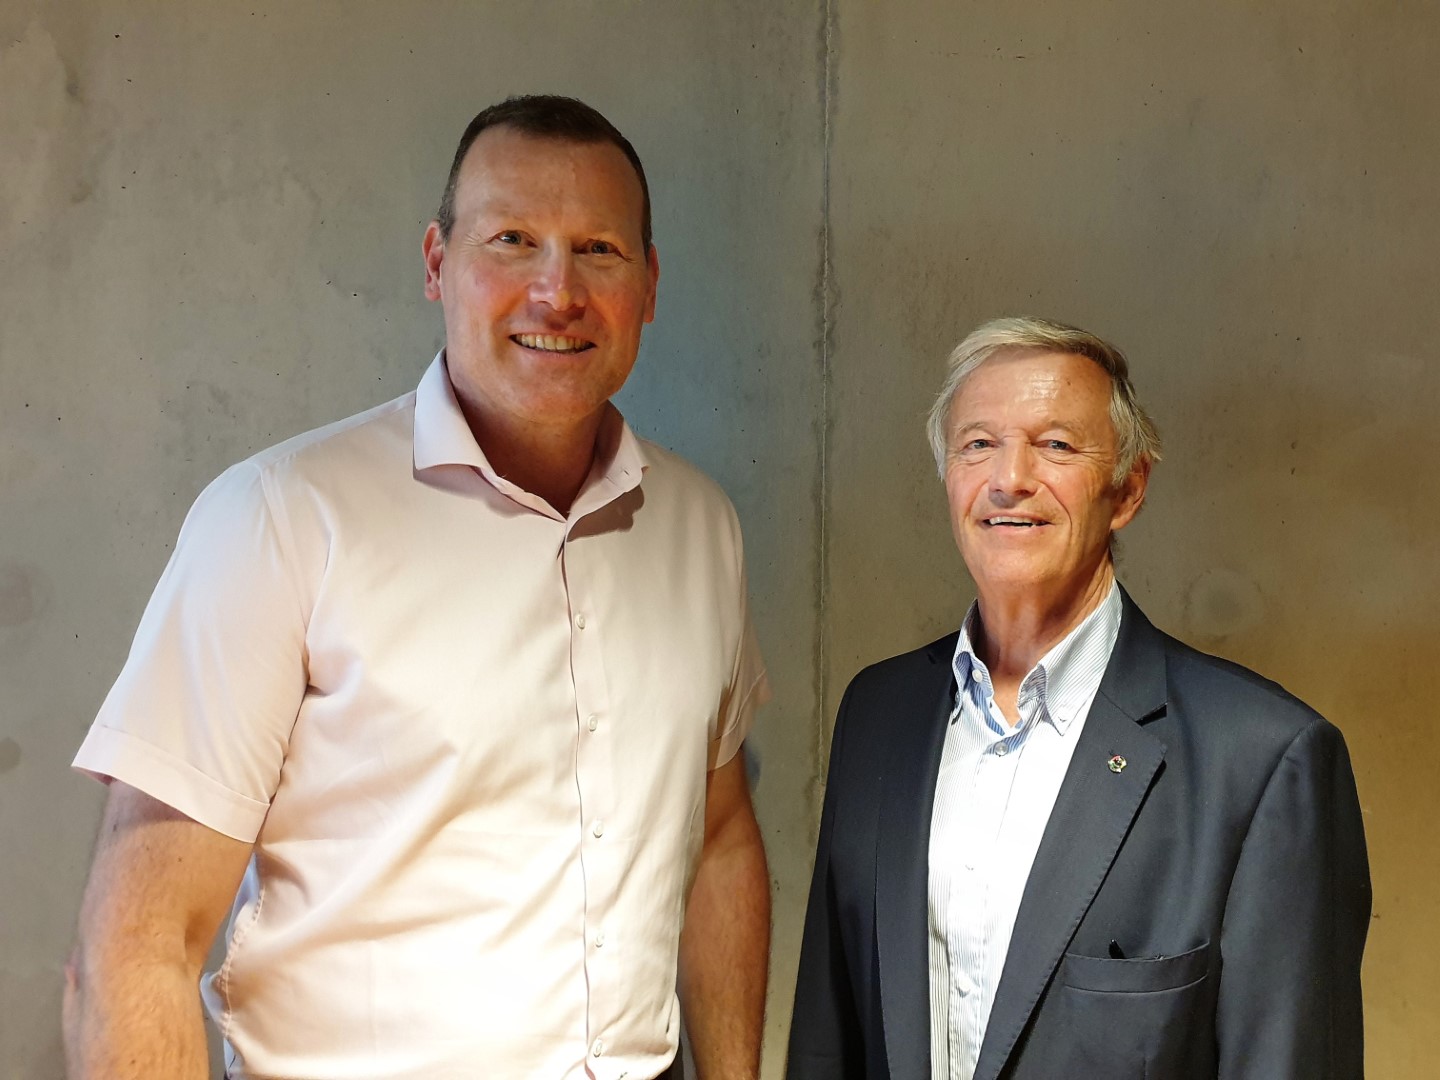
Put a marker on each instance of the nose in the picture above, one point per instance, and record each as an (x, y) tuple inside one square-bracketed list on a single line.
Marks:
[(557, 282), (1013, 474)]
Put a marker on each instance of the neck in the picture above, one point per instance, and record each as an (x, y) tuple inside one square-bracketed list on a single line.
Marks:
[(549, 461), (1015, 630)]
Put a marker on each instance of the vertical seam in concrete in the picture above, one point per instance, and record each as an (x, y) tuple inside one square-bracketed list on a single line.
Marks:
[(827, 305)]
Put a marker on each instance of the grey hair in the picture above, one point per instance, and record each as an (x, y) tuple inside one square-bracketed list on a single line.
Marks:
[(1135, 434)]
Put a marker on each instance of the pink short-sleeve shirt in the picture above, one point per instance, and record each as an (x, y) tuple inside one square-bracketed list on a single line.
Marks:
[(468, 736)]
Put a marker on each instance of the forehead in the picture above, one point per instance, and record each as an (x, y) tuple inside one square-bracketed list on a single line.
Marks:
[(1034, 386), (508, 171)]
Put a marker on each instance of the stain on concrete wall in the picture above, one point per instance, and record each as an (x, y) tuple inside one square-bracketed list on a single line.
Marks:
[(24, 593), (9, 755)]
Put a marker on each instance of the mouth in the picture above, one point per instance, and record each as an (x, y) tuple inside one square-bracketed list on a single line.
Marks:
[(1001, 521), (552, 343)]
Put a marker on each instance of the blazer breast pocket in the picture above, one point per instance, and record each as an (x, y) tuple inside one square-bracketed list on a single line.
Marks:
[(1138, 975), (1133, 1019)]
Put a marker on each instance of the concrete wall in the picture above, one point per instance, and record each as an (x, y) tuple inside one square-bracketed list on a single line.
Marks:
[(209, 229)]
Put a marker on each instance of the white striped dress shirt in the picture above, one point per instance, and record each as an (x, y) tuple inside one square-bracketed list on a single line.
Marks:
[(996, 788)]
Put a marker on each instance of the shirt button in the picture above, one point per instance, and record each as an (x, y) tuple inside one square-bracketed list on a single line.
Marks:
[(1001, 750), (598, 828), (592, 721), (600, 940), (598, 1048), (580, 620)]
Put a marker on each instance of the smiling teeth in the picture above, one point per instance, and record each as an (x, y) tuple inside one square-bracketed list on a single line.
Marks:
[(550, 343), (1008, 521)]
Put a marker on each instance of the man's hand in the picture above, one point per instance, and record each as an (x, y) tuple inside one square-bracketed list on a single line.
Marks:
[(725, 943), (159, 886)]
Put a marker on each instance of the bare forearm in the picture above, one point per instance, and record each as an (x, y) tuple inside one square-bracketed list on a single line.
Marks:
[(159, 886), (724, 957), (133, 1019)]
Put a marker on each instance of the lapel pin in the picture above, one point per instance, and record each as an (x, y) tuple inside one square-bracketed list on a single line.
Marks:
[(1117, 763)]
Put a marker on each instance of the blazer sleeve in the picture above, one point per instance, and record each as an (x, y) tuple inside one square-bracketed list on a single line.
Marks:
[(825, 1034), (1295, 922)]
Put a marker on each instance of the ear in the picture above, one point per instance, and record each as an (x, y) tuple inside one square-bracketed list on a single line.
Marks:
[(1130, 496), (652, 267), (433, 247)]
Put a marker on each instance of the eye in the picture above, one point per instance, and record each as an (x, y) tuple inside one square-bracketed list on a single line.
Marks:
[(509, 237), (601, 247), (978, 444), (1057, 444)]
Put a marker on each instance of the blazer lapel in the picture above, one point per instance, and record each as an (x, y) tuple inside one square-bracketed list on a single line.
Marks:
[(902, 865), (1092, 814)]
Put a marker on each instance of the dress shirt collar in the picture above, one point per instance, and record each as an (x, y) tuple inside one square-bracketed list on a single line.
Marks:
[(1065, 679), (443, 437)]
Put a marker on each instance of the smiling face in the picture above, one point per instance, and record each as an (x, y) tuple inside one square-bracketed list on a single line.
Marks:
[(544, 280), (1028, 474)]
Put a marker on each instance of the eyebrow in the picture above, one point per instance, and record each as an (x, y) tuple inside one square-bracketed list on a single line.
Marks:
[(1070, 427), (496, 216), (974, 425)]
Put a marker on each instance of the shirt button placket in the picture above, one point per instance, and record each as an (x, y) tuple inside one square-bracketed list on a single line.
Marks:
[(595, 781)]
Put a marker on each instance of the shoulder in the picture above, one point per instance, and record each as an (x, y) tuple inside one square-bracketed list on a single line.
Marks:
[(917, 673), (1212, 694), (685, 502), (667, 470), (354, 441), (299, 481), (1231, 685), (890, 708)]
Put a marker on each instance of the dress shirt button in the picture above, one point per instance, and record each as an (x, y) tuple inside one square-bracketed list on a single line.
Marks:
[(600, 940), (598, 828), (592, 721), (1001, 750), (580, 620), (598, 1048)]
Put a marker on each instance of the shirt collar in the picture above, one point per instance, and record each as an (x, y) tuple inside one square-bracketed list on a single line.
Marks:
[(443, 437), (1068, 675)]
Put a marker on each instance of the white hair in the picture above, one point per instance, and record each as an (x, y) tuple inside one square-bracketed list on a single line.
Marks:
[(1135, 434)]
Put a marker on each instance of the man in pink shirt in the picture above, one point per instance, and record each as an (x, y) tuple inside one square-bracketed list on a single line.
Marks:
[(444, 702)]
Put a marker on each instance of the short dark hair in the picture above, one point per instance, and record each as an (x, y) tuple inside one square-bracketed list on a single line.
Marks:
[(545, 116)]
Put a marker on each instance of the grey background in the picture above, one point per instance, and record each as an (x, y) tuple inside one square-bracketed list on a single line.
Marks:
[(210, 219)]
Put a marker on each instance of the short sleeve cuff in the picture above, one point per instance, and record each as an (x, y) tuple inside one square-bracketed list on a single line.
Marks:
[(108, 754), (728, 744)]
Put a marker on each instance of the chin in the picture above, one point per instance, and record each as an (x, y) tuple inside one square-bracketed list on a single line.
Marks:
[(1013, 576)]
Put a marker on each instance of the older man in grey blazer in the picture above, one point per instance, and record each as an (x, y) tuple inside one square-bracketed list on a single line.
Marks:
[(1060, 843)]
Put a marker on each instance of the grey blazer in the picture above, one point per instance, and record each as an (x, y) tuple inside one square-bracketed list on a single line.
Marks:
[(1226, 859)]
